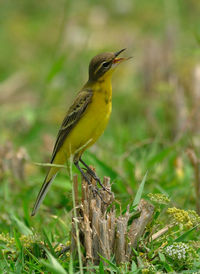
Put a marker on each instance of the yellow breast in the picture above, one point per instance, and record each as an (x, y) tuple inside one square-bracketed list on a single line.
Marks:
[(91, 125), (100, 109)]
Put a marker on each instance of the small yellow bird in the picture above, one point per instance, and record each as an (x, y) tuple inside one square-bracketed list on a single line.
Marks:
[(85, 120)]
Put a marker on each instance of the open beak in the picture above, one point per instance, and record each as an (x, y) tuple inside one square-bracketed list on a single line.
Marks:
[(120, 59), (118, 52)]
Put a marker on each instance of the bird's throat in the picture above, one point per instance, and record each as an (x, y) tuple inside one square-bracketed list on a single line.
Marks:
[(103, 87)]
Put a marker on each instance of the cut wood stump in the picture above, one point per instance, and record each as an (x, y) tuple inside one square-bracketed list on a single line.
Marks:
[(101, 231)]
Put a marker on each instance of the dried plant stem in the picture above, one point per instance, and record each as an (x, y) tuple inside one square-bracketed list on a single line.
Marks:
[(161, 232), (101, 231), (75, 217), (138, 225), (195, 163)]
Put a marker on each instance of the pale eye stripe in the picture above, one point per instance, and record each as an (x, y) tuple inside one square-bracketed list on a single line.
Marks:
[(98, 68)]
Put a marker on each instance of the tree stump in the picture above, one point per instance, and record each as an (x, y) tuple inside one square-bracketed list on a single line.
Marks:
[(101, 231)]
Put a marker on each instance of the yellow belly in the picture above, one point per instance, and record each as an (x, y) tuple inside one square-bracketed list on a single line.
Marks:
[(90, 126)]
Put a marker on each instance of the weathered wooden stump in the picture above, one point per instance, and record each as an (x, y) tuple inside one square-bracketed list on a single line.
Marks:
[(100, 230)]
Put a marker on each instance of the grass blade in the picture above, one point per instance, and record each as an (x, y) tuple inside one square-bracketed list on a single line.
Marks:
[(185, 234), (139, 192), (21, 226), (54, 266), (49, 243), (113, 266), (101, 268)]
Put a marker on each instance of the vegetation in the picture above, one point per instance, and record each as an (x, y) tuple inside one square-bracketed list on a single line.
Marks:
[(155, 126)]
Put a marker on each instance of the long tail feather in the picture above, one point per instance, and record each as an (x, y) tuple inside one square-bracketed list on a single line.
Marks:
[(43, 191)]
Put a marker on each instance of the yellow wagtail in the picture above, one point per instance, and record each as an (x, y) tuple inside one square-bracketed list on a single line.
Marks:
[(85, 120)]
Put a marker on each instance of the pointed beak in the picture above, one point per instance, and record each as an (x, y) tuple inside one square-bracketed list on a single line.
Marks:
[(121, 59), (118, 52)]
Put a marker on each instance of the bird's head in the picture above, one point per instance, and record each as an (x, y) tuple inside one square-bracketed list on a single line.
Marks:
[(103, 65)]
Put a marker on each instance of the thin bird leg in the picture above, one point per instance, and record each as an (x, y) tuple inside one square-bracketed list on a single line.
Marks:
[(94, 176), (95, 191), (82, 172)]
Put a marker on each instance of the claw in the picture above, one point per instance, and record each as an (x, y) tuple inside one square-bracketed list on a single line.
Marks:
[(95, 192), (94, 176)]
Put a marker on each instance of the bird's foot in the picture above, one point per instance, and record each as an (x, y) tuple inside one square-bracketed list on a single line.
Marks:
[(100, 183), (94, 176), (96, 192), (97, 179)]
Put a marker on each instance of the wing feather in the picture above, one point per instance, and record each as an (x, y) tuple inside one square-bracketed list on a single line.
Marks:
[(75, 112)]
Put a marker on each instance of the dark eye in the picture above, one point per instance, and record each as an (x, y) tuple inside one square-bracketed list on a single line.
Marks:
[(106, 64)]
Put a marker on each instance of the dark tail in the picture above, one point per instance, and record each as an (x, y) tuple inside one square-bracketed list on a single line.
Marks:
[(41, 195)]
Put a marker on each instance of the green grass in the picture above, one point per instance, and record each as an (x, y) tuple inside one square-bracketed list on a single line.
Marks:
[(45, 51)]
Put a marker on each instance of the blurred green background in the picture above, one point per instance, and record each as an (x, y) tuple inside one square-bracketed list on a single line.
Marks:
[(46, 47)]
